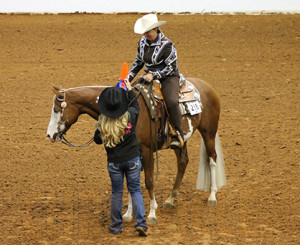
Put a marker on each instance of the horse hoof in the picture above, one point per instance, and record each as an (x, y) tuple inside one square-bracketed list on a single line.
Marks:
[(127, 219), (212, 203), (151, 220), (168, 205)]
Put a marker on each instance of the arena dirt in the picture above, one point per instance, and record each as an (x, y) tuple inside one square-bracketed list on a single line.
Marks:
[(54, 194)]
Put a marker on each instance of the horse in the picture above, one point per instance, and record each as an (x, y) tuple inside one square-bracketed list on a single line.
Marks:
[(69, 104)]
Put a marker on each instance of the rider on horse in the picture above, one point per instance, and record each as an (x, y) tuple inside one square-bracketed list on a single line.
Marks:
[(159, 56)]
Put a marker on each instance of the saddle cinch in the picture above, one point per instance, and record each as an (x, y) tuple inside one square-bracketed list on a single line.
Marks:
[(189, 103)]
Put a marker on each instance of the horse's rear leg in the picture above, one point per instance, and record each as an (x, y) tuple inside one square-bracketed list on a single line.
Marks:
[(209, 141), (212, 200), (182, 161)]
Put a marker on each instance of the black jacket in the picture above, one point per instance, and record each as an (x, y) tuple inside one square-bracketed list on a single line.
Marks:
[(159, 58), (128, 148)]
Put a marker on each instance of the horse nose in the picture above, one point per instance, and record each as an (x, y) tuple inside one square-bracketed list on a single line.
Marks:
[(54, 136), (48, 136)]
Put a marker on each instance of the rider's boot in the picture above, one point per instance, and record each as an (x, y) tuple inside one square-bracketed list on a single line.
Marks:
[(177, 140)]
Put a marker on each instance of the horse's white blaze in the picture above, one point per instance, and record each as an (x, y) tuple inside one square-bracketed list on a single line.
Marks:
[(53, 124)]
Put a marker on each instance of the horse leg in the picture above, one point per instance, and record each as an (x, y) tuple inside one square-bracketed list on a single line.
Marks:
[(212, 200), (127, 217), (182, 161), (148, 165), (209, 141)]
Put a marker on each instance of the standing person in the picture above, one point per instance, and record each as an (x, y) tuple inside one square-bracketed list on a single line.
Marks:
[(159, 56), (116, 130)]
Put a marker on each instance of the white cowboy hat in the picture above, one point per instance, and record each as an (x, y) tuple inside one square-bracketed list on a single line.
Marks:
[(147, 23)]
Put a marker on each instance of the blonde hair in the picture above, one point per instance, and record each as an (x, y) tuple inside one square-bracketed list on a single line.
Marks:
[(112, 130)]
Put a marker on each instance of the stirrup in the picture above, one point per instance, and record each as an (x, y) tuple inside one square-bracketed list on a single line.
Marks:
[(177, 141)]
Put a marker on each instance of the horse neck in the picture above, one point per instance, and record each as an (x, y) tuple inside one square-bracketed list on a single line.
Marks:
[(85, 99)]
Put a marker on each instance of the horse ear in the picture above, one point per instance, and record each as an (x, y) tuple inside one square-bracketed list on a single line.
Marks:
[(58, 91)]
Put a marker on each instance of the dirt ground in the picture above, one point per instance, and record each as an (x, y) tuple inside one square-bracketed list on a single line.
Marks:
[(54, 194)]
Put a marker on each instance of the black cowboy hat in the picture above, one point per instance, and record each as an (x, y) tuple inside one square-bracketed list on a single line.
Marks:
[(113, 102)]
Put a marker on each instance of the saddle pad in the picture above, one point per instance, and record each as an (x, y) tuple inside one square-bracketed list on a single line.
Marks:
[(188, 92)]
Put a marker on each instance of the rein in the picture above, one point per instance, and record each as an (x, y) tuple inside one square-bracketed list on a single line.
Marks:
[(142, 81), (155, 129), (68, 143)]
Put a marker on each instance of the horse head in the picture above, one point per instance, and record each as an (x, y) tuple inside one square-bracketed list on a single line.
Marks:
[(64, 114)]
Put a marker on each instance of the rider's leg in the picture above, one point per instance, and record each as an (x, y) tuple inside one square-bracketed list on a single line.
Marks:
[(170, 90)]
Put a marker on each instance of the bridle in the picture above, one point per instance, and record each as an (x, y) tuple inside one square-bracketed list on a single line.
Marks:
[(63, 105)]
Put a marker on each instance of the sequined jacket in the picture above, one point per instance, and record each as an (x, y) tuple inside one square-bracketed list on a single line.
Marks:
[(159, 58)]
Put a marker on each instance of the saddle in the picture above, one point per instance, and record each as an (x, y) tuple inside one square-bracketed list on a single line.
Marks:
[(189, 103)]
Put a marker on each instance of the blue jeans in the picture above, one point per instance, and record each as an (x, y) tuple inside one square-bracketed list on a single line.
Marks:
[(132, 170)]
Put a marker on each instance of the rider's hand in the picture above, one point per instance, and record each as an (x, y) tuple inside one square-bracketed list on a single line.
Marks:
[(148, 77), (128, 85)]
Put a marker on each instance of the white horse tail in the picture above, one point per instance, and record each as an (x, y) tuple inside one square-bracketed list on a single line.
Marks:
[(204, 173)]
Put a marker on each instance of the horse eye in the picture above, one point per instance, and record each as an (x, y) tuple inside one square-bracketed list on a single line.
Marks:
[(56, 111)]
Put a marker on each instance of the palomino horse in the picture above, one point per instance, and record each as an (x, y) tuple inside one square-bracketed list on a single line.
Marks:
[(68, 104)]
